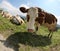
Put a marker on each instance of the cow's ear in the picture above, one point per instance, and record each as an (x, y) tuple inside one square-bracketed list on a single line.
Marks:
[(41, 14), (39, 9), (23, 9)]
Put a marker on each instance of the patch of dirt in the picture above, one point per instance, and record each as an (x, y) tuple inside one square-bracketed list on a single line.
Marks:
[(55, 48), (2, 46), (6, 33)]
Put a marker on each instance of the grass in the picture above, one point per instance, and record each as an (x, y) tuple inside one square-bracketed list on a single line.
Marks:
[(21, 40), (6, 27)]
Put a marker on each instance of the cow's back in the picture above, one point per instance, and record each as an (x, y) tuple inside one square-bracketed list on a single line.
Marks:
[(50, 18)]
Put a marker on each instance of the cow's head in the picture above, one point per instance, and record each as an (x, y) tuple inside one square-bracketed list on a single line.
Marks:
[(32, 14)]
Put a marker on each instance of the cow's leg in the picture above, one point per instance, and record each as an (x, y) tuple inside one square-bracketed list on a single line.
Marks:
[(36, 26), (50, 34)]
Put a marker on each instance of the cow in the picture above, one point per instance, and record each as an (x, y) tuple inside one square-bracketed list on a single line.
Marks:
[(37, 16), (6, 15), (17, 20), (1, 12)]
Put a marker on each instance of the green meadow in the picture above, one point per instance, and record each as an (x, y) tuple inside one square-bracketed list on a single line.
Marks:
[(19, 39)]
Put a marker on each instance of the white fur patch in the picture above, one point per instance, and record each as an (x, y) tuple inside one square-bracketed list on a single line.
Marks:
[(33, 13)]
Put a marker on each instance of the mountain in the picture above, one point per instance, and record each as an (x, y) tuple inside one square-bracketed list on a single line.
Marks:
[(58, 26)]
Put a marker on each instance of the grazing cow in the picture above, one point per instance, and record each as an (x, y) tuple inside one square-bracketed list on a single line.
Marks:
[(6, 15), (1, 12), (37, 16), (17, 20)]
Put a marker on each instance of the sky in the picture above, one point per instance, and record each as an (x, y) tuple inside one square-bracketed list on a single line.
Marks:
[(51, 6)]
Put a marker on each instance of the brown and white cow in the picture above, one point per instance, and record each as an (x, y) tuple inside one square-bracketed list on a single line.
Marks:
[(6, 15), (38, 16), (17, 20), (2, 12)]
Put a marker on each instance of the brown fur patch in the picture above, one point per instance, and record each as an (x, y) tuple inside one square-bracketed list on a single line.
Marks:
[(39, 9), (28, 17), (46, 18), (49, 18), (41, 18), (41, 14)]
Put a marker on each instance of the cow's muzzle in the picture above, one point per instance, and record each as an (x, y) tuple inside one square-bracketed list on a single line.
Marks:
[(30, 30)]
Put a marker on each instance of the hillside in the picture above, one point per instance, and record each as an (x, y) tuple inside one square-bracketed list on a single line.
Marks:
[(6, 27), (19, 39)]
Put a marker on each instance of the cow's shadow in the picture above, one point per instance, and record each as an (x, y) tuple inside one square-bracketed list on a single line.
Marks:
[(26, 38)]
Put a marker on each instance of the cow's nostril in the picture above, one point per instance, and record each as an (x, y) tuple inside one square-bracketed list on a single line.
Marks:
[(30, 30)]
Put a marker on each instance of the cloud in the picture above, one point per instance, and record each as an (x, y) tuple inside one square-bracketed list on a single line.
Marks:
[(58, 0), (58, 19), (7, 6), (50, 1), (4, 0), (23, 5), (10, 8)]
